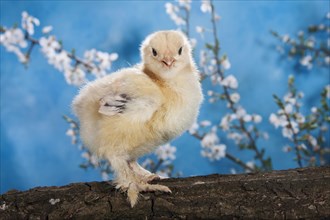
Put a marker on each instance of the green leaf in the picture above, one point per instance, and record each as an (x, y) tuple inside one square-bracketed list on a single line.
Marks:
[(242, 146), (268, 164), (83, 166), (209, 46), (278, 101), (312, 29), (274, 33), (291, 80)]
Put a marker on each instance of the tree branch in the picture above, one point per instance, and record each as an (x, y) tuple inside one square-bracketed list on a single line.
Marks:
[(290, 194)]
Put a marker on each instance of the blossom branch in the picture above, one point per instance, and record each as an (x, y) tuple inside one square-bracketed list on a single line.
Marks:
[(94, 62), (215, 48), (311, 46), (306, 133)]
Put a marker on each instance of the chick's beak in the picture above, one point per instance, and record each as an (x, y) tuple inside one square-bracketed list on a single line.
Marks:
[(168, 61)]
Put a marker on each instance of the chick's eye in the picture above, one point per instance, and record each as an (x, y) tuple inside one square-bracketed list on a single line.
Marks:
[(180, 51), (154, 52)]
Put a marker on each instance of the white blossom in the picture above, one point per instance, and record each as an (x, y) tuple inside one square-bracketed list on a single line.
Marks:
[(210, 93), (240, 112), (202, 58), (105, 176), (13, 36), (247, 118), (163, 173), (185, 3), (212, 100), (225, 121), (310, 43), (166, 152), (100, 61), (233, 171), (13, 40), (314, 110), (226, 64), (278, 121), (200, 29), (218, 151), (194, 128), (230, 82), (288, 108), (193, 42), (28, 22), (327, 88), (256, 118), (265, 135), (234, 97), (71, 133), (49, 44), (286, 149), (328, 15), (206, 6), (285, 38), (250, 164), (327, 60), (300, 118), (47, 29), (57, 57), (288, 132), (312, 140), (205, 123), (75, 77), (93, 159), (215, 152), (307, 61), (173, 11), (237, 137), (216, 17), (210, 139), (147, 162), (288, 98)]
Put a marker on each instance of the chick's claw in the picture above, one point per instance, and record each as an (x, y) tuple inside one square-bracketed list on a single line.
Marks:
[(150, 178), (135, 189)]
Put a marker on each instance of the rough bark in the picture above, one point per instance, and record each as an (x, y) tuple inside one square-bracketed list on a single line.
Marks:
[(289, 194)]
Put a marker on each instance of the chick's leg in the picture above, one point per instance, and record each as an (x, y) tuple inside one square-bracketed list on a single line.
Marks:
[(125, 178), (144, 175), (128, 181)]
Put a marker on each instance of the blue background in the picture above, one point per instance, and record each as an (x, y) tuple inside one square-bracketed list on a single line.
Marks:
[(34, 148)]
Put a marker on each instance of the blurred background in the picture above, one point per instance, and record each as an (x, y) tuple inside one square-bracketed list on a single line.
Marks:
[(35, 150)]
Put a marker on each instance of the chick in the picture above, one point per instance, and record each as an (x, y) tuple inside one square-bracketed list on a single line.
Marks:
[(129, 113)]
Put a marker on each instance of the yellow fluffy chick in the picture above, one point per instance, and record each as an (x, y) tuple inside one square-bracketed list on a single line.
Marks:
[(129, 113)]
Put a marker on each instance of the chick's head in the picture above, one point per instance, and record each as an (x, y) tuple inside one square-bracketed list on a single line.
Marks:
[(165, 53)]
